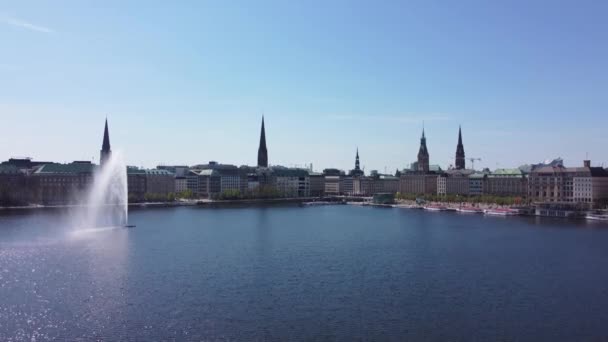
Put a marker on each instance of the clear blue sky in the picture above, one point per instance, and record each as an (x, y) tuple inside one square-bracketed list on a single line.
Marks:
[(187, 82)]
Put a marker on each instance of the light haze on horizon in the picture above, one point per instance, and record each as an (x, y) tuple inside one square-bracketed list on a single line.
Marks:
[(188, 82)]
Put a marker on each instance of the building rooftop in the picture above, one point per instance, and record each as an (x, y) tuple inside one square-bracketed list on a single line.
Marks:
[(583, 171), (72, 168), (158, 172), (506, 173), (285, 172), (8, 169), (459, 172), (478, 175)]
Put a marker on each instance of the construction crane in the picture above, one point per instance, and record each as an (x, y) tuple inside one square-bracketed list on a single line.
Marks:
[(472, 160)]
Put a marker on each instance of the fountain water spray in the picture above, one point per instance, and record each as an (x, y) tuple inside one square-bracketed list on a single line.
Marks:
[(107, 199)]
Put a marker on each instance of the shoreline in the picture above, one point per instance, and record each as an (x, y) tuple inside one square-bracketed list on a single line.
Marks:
[(526, 211), (187, 203)]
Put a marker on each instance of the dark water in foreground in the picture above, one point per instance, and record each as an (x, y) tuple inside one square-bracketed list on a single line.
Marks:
[(324, 273)]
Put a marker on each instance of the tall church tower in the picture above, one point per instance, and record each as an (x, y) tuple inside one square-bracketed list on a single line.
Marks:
[(106, 152), (262, 151), (423, 155), (357, 170), (460, 158)]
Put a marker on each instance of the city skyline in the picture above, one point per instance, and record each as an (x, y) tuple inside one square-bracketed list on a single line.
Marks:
[(197, 91)]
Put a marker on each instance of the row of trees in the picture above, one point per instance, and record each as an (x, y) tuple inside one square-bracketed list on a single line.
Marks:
[(151, 197), (262, 192), (484, 199)]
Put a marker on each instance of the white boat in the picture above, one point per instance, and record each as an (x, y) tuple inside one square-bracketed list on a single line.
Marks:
[(435, 208), (596, 217), (469, 210), (500, 212)]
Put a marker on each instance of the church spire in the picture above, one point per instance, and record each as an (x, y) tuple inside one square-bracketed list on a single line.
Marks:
[(106, 151), (262, 151), (460, 157), (357, 165), (423, 154)]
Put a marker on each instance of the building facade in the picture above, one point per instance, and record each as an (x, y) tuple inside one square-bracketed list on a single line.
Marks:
[(507, 182), (581, 186), (59, 184)]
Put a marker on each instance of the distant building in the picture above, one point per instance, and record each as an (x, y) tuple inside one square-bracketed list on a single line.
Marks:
[(291, 182), (317, 184), (333, 181), (386, 184), (477, 183), (418, 183), (181, 184), (159, 182), (136, 183), (215, 178), (584, 186), (347, 186), (58, 184), (506, 182), (457, 182), (13, 186), (151, 184), (192, 183), (442, 185)]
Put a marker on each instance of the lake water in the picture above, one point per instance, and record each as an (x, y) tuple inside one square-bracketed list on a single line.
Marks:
[(317, 273)]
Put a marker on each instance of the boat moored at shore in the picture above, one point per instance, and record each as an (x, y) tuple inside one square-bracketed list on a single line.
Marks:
[(501, 212)]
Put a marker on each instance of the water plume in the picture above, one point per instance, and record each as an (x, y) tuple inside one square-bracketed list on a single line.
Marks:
[(106, 203)]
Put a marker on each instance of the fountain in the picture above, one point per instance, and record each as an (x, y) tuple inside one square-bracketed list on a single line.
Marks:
[(107, 200)]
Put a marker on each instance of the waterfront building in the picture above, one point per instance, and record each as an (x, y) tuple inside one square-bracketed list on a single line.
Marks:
[(585, 186), (442, 186), (106, 151), (317, 184), (151, 184), (363, 186), (13, 186), (181, 184), (333, 181), (418, 183), (209, 183), (457, 182), (347, 185), (215, 178), (507, 182), (192, 182), (160, 182), (291, 182), (136, 183), (477, 183), (460, 156), (386, 184), (59, 184), (375, 183), (262, 150)]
